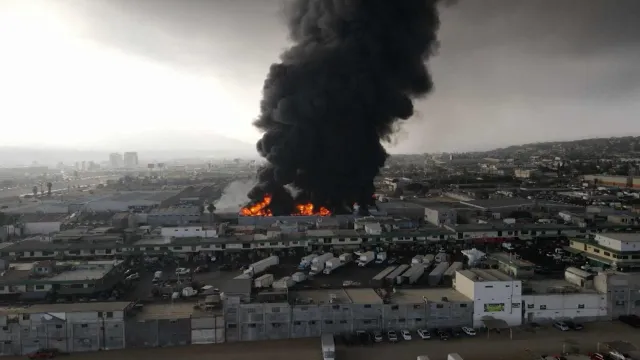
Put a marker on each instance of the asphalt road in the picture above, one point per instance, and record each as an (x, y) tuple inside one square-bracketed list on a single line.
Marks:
[(525, 345)]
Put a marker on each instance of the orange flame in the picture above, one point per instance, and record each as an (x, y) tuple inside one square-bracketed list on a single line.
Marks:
[(261, 208)]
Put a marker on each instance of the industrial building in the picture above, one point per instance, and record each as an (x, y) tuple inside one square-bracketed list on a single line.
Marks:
[(311, 313), (441, 215), (41, 224), (494, 294), (172, 216), (615, 181), (124, 201), (621, 249), (67, 279)]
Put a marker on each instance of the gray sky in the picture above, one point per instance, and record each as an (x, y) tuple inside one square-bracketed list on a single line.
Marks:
[(508, 72)]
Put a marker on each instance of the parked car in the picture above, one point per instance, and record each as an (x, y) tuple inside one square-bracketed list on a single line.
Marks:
[(392, 336), (574, 326), (183, 271), (424, 334), (469, 331), (406, 335), (134, 276), (377, 337), (561, 325), (442, 335)]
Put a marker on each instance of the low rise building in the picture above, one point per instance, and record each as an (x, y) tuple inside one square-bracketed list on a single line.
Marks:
[(494, 294), (441, 216), (513, 266), (42, 279), (76, 327), (622, 291), (621, 250), (546, 300), (174, 216), (41, 224)]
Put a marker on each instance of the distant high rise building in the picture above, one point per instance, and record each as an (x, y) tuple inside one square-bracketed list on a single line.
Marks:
[(131, 159), (115, 160)]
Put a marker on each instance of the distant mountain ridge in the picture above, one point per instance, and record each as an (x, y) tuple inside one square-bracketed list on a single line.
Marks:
[(610, 146)]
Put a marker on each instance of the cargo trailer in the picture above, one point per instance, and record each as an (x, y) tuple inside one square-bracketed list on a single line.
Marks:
[(331, 265), (284, 283), (391, 278), (428, 260), (346, 258), (263, 281), (417, 259), (299, 277), (261, 266), (378, 281), (435, 276), (412, 275), (450, 273), (366, 258)]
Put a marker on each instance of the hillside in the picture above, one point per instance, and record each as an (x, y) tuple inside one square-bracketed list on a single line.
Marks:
[(628, 146)]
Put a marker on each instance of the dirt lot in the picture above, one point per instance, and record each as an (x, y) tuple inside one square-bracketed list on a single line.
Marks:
[(525, 345)]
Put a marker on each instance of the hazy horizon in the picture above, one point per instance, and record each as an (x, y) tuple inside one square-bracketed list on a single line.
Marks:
[(115, 75)]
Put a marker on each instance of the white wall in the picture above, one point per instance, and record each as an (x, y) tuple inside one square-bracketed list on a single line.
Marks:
[(487, 294), (34, 228), (617, 244), (187, 231), (555, 306)]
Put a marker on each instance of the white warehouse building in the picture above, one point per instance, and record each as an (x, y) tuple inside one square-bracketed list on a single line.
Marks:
[(494, 294), (498, 296)]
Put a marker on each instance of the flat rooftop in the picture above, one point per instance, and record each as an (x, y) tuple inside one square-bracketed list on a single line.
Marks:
[(66, 308), (167, 311), (555, 286), (339, 296), (631, 237), (480, 275), (91, 271), (414, 296)]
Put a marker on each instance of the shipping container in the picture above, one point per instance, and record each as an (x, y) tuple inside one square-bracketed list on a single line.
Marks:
[(412, 275), (435, 277), (299, 277), (378, 281)]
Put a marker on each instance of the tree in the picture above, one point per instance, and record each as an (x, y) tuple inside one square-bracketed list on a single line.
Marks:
[(49, 185), (35, 191), (211, 208)]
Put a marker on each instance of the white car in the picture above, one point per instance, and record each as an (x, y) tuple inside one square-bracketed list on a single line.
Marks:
[(406, 335), (469, 331), (424, 334), (183, 271), (134, 276)]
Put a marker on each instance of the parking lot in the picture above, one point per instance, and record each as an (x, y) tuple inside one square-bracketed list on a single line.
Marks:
[(526, 345)]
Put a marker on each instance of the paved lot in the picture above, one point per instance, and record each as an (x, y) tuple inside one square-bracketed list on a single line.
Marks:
[(525, 345)]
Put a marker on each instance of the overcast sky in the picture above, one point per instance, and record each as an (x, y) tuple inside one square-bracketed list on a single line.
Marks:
[(103, 73)]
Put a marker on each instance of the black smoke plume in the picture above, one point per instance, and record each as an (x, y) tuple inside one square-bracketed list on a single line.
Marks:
[(352, 73)]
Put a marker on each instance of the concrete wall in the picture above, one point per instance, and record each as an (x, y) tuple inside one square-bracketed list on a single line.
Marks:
[(622, 292), (251, 322), (25, 338), (207, 330), (559, 306)]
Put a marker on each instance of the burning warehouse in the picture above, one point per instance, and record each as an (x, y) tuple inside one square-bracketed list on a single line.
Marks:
[(352, 73)]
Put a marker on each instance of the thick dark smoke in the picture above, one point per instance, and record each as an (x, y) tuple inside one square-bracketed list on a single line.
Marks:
[(337, 93)]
